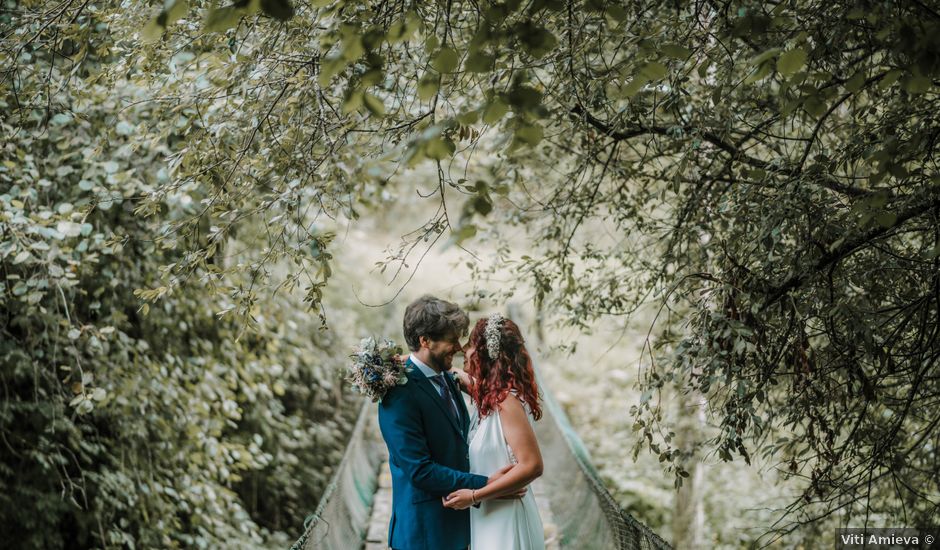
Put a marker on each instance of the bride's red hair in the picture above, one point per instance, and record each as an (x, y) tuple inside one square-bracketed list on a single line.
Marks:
[(496, 376)]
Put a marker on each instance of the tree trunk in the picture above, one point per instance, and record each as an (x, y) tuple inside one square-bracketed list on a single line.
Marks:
[(688, 515)]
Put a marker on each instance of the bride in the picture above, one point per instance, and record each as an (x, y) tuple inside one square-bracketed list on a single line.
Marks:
[(501, 383)]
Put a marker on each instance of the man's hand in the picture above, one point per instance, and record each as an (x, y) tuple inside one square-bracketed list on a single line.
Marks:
[(500, 473), (460, 499)]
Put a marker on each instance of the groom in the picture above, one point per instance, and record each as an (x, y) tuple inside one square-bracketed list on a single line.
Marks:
[(425, 425)]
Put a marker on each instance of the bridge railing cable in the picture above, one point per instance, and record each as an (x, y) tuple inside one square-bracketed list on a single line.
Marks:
[(341, 518), (586, 515)]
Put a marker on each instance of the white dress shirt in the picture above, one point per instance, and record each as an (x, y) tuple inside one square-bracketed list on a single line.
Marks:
[(429, 372)]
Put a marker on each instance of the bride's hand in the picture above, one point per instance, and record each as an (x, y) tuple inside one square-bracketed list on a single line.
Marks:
[(463, 378), (460, 499)]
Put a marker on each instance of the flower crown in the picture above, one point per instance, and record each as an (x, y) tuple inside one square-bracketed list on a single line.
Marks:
[(492, 334)]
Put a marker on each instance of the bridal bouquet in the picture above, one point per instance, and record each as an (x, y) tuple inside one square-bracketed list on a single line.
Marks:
[(376, 368)]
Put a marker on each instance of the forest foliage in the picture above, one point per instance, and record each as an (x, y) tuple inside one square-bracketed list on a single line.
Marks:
[(125, 424), (768, 167)]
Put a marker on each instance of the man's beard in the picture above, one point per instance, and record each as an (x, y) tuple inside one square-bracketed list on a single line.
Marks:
[(439, 363)]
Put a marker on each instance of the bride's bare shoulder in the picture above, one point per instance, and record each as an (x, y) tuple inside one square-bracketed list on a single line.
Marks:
[(511, 403)]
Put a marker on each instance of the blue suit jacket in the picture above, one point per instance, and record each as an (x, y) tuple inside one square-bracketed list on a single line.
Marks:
[(429, 458)]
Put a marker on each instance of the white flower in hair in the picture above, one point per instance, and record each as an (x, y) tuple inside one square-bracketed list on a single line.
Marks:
[(492, 334)]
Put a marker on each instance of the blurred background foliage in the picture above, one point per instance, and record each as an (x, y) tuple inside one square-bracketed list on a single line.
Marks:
[(740, 198)]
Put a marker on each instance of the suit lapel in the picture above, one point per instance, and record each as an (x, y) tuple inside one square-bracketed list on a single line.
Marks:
[(422, 382)]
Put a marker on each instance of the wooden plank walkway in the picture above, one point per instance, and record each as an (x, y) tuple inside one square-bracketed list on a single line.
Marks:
[(377, 535)]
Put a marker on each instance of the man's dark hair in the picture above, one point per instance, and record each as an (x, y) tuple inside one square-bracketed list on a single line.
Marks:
[(434, 319)]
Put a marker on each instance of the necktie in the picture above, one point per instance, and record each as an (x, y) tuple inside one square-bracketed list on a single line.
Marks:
[(442, 390)]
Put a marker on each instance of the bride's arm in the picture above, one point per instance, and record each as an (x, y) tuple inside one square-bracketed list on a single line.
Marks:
[(521, 438)]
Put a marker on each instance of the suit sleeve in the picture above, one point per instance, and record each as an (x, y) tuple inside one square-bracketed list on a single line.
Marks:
[(400, 422)]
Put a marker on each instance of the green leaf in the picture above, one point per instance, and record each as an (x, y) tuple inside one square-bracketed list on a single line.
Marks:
[(854, 84), (414, 155), (439, 148), (759, 74), (898, 170), (330, 67), (916, 84), (282, 10), (790, 105), (464, 233), (815, 106), (653, 71), (889, 79), (482, 205), (396, 32), (617, 13), (525, 98), (352, 48), (172, 10), (530, 134), (790, 62), (401, 30), (371, 78), (222, 19), (445, 61), (373, 104), (431, 43), (878, 200), (352, 102), (676, 51), (469, 117), (413, 23), (494, 111), (536, 40), (765, 56), (886, 219), (175, 9), (634, 86), (478, 62), (152, 31), (428, 86)]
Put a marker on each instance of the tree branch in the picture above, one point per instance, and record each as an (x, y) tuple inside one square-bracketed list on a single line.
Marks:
[(717, 141), (845, 249)]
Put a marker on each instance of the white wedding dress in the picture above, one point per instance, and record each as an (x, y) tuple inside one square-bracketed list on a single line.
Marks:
[(498, 524)]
